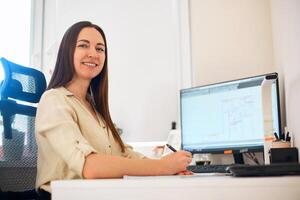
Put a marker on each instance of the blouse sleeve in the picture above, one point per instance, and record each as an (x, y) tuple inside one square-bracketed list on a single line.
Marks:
[(56, 124)]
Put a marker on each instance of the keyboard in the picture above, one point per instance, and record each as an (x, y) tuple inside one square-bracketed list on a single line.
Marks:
[(208, 168), (276, 169)]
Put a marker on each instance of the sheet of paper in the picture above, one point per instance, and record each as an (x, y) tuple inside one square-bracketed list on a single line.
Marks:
[(173, 176)]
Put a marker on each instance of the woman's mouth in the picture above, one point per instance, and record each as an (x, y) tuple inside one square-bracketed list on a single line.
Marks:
[(89, 64)]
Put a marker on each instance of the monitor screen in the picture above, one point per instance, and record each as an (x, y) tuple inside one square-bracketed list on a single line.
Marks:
[(227, 116)]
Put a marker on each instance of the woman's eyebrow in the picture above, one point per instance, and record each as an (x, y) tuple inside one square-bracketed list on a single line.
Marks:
[(83, 40)]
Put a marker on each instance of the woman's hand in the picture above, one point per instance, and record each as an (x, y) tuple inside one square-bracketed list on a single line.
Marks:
[(177, 162), (186, 172)]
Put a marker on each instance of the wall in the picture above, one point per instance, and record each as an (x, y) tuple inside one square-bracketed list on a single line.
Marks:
[(238, 38), (286, 32), (146, 65), (231, 39)]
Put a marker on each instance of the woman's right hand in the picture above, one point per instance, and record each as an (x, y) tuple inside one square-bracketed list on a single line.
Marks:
[(176, 162)]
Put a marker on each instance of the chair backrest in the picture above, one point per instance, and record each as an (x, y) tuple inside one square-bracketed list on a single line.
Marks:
[(20, 91)]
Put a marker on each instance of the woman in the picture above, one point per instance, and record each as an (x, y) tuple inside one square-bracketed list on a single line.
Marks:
[(75, 134)]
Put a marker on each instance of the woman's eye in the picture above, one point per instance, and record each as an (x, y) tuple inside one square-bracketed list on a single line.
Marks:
[(100, 49), (83, 45)]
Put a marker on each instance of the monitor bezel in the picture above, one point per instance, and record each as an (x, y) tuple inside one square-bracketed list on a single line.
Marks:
[(233, 150)]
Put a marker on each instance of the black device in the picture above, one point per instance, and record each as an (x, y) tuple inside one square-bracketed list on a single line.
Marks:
[(284, 155), (227, 117)]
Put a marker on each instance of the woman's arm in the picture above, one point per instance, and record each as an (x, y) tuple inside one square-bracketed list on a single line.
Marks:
[(107, 166)]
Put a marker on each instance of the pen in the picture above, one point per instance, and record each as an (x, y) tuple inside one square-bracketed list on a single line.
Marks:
[(170, 147), (276, 136), (288, 138), (283, 136)]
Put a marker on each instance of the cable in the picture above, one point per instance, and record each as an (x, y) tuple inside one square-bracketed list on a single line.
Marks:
[(252, 157)]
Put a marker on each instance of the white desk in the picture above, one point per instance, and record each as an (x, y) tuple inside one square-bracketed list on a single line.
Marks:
[(177, 188)]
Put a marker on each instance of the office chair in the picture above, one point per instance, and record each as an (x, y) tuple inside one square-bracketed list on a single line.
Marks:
[(20, 90)]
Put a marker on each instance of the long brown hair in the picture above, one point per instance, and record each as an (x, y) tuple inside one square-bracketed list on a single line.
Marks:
[(64, 71)]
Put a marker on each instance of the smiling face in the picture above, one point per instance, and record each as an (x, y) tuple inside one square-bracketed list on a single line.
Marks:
[(89, 55)]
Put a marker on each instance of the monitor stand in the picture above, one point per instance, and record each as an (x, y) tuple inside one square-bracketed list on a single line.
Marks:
[(238, 158)]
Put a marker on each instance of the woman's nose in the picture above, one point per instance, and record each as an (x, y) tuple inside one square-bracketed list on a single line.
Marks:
[(92, 53)]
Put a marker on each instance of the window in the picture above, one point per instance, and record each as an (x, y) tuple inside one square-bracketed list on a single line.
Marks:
[(15, 35)]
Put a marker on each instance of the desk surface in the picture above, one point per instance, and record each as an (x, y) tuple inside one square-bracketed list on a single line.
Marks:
[(180, 188)]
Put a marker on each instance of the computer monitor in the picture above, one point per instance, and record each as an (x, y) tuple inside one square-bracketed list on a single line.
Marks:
[(227, 116)]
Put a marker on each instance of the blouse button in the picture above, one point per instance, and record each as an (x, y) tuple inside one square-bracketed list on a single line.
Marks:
[(109, 146)]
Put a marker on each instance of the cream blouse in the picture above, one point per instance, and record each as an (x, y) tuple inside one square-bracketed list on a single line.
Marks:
[(66, 132)]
